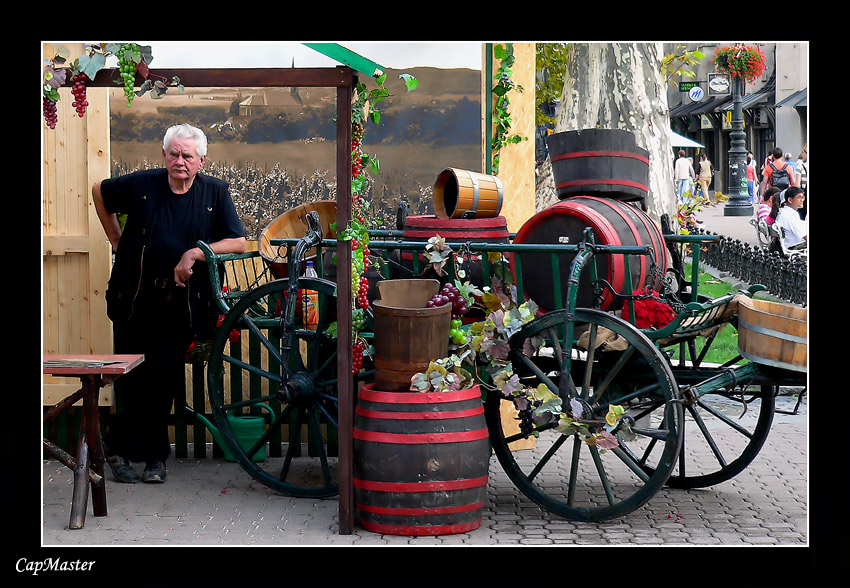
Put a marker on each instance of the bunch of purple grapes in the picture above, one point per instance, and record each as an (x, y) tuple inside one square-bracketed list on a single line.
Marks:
[(49, 109), (449, 294)]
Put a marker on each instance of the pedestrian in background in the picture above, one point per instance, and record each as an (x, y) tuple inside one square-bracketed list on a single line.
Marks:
[(706, 172), (801, 171), (778, 173), (683, 171), (752, 181)]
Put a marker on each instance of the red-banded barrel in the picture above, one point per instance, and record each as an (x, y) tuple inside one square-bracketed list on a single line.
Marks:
[(614, 223), (423, 227), (421, 461), (599, 162)]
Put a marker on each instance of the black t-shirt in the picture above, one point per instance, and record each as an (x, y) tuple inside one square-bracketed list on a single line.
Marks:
[(161, 226)]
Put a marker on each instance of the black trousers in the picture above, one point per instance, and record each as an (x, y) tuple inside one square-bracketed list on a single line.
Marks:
[(159, 328)]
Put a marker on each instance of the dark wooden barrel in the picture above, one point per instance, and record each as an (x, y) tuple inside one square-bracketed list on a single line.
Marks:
[(460, 193), (599, 162), (408, 336), (614, 223), (423, 227), (421, 461)]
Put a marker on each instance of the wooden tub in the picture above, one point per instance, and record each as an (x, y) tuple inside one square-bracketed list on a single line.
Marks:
[(773, 333)]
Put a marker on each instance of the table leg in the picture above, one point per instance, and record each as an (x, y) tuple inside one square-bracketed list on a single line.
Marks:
[(95, 444), (79, 501)]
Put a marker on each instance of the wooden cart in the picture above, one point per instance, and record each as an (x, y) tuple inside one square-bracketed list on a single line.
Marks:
[(680, 424)]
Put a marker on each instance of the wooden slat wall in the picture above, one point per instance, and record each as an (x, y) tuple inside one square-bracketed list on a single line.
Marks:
[(75, 251)]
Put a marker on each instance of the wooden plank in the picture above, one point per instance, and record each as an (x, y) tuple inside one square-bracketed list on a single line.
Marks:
[(326, 77)]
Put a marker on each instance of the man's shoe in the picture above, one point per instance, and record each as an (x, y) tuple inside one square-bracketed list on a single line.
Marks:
[(122, 470), (154, 472)]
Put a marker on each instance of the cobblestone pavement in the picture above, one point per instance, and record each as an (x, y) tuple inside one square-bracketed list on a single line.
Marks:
[(214, 502)]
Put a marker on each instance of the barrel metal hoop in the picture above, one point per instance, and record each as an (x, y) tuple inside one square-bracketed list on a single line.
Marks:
[(624, 154), (475, 194), (770, 332)]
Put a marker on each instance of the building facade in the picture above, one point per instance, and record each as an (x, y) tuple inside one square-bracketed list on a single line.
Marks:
[(775, 107)]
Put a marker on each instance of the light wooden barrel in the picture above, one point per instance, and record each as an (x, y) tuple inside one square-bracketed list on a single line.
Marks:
[(773, 333), (460, 193)]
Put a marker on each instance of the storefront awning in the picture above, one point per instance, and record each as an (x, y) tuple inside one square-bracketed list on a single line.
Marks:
[(797, 99), (764, 96), (677, 140)]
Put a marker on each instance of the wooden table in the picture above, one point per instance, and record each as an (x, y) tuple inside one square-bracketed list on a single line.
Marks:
[(94, 371)]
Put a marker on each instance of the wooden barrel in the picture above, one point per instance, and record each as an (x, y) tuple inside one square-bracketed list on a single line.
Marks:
[(599, 162), (421, 461), (292, 224), (773, 333), (423, 227), (460, 193), (408, 335), (614, 223)]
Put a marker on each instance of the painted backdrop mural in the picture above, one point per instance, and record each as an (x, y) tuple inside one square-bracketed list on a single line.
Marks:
[(275, 146)]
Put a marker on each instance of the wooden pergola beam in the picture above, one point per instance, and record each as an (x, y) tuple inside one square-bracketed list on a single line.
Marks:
[(344, 79)]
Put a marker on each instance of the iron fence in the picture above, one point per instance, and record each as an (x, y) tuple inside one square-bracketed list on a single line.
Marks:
[(785, 277)]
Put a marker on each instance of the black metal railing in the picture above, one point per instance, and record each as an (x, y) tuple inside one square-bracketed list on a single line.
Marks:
[(785, 277)]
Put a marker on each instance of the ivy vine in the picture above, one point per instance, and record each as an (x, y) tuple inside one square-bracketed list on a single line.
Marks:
[(501, 115)]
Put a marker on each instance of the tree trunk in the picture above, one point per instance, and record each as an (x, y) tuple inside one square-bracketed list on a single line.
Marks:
[(619, 86)]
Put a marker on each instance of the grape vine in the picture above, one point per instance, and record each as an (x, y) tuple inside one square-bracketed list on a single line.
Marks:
[(133, 61), (364, 109)]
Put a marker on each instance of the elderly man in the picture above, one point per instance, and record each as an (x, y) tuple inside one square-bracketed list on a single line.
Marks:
[(159, 297)]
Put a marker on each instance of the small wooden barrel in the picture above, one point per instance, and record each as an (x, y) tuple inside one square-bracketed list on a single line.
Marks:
[(599, 162), (408, 335), (421, 461), (772, 333), (460, 193), (292, 224)]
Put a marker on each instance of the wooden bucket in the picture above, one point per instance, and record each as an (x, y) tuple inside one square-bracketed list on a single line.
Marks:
[(292, 224), (599, 162), (772, 333), (408, 335), (460, 193), (614, 223), (421, 461)]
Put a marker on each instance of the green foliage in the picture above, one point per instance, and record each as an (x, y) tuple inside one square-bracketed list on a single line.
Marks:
[(551, 65), (680, 62), (501, 115)]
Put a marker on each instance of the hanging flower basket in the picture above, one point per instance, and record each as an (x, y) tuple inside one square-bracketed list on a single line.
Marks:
[(744, 61)]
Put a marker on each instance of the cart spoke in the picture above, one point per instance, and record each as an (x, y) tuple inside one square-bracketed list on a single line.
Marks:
[(546, 457), (707, 436), (603, 477), (725, 419)]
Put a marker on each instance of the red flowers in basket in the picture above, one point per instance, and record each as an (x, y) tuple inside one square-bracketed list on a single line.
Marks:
[(651, 312), (744, 61)]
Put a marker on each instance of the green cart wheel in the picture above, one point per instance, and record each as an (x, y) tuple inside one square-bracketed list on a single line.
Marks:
[(564, 474), (724, 432), (289, 368)]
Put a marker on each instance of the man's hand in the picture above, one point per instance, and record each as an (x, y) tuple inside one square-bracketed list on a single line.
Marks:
[(183, 270)]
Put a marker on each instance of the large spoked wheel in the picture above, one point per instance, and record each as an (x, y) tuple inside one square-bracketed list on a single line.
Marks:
[(724, 432), (292, 370), (563, 473)]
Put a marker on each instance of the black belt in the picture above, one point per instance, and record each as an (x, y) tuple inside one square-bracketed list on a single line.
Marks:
[(161, 283)]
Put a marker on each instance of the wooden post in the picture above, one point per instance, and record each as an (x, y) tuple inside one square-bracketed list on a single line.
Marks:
[(345, 391)]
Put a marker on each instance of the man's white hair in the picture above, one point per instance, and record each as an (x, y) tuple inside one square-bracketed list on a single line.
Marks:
[(186, 131)]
